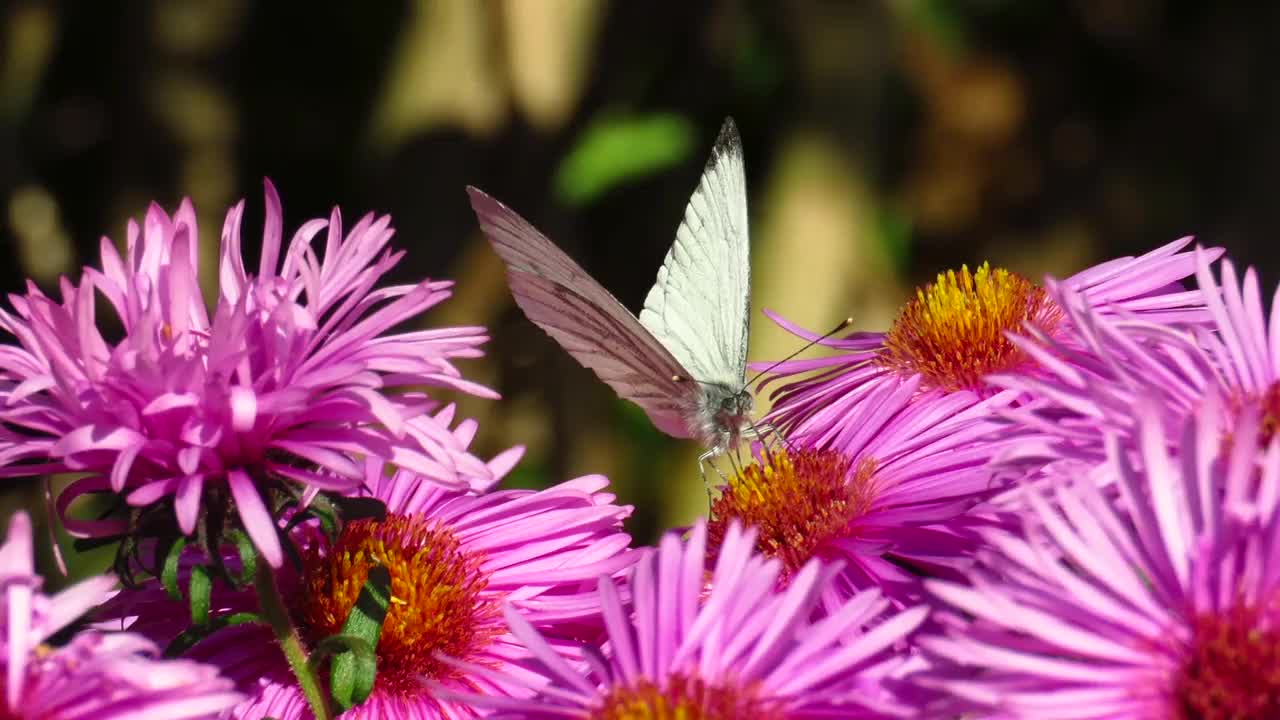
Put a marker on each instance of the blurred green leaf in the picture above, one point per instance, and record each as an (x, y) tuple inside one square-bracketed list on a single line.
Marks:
[(638, 428), (617, 149), (893, 230), (527, 475), (942, 19), (757, 69)]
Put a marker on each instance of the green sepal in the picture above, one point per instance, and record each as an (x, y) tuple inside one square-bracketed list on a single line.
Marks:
[(353, 670), (248, 558), (199, 590), (169, 569), (193, 635)]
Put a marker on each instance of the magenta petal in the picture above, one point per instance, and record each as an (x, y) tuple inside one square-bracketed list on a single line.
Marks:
[(123, 464), (15, 554), (244, 408), (18, 600), (272, 232), (186, 503), (87, 438), (152, 491), (257, 520)]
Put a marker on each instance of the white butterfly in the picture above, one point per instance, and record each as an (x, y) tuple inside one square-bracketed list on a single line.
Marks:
[(684, 361)]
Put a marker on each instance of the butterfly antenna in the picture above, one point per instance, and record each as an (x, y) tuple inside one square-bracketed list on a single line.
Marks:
[(843, 324)]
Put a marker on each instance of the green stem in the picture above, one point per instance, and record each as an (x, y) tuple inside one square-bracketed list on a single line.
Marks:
[(274, 611)]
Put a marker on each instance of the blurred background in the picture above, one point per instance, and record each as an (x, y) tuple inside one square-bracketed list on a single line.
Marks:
[(885, 142)]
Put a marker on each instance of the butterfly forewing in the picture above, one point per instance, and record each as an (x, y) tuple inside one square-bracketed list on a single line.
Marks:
[(587, 321), (699, 309)]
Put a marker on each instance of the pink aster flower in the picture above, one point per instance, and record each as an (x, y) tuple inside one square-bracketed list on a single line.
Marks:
[(95, 675), (954, 333), (1165, 605), (891, 504), (1110, 362), (293, 371), (455, 560), (733, 648)]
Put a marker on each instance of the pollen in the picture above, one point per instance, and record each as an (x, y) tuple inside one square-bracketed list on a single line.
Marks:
[(798, 501), (1233, 669), (438, 604), (953, 331), (1270, 408), (685, 698), (1266, 404)]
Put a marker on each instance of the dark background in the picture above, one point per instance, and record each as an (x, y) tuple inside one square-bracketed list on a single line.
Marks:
[(885, 142)]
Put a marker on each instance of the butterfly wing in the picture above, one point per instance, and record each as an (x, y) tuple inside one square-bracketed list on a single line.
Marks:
[(588, 322), (699, 309)]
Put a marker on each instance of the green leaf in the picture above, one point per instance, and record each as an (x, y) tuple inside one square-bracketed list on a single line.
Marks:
[(352, 673), (169, 570), (199, 590), (616, 149), (193, 635)]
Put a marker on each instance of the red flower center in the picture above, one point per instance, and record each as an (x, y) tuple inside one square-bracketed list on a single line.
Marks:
[(798, 501), (953, 331), (1270, 415), (437, 596), (1233, 671), (685, 698)]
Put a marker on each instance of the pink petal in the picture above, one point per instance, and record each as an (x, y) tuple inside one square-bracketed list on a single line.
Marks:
[(257, 520)]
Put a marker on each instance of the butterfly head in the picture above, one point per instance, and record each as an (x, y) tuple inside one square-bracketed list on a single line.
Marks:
[(723, 411)]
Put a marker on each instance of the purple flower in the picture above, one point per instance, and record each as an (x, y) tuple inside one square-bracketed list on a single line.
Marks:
[(1110, 362), (95, 675), (455, 560), (954, 333), (736, 648), (1165, 604), (294, 371), (891, 504)]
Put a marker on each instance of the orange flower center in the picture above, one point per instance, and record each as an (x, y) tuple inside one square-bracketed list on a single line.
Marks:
[(953, 331), (797, 500), (1233, 671), (685, 698), (437, 596)]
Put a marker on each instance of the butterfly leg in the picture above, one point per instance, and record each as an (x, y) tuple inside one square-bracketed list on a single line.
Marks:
[(704, 460), (774, 438), (768, 435)]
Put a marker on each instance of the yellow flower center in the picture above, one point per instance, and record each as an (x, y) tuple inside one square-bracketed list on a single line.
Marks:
[(685, 698), (1233, 670), (437, 603), (797, 500), (953, 331)]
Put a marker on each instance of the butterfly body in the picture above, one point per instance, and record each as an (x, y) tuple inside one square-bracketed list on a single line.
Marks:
[(684, 359)]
